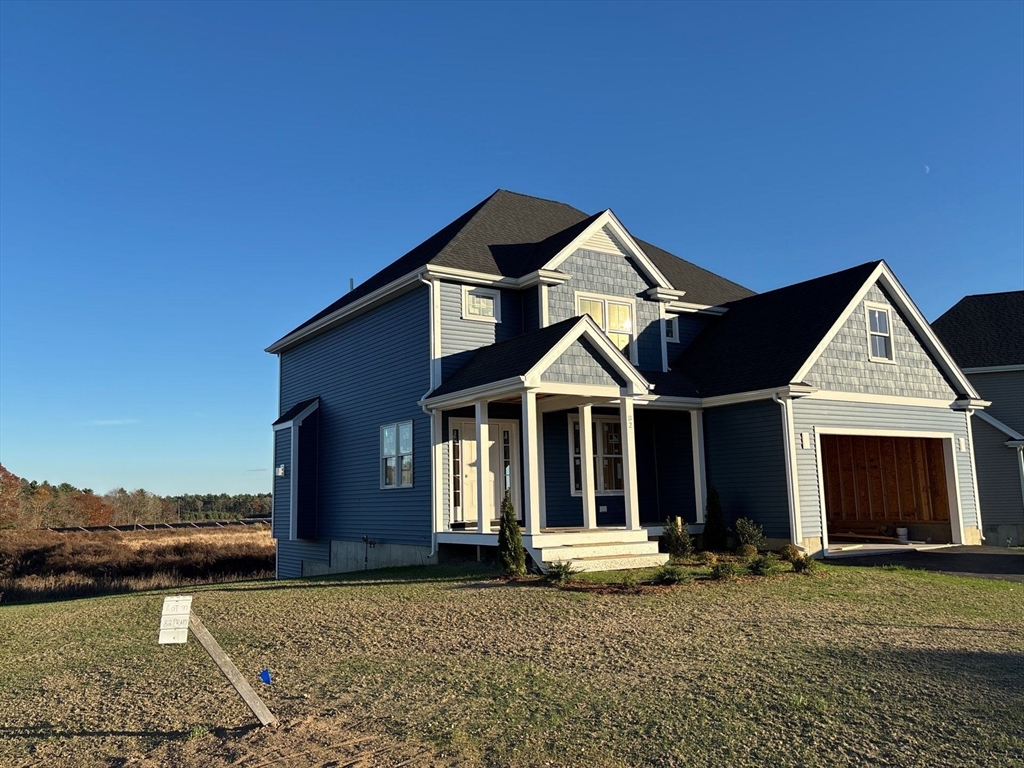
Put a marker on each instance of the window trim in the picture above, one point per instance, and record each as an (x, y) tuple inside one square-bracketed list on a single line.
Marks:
[(493, 293), (868, 307), (597, 420), (397, 455), (605, 298), (672, 322)]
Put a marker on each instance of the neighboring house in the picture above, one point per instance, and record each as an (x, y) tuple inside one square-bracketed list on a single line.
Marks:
[(534, 350), (985, 335)]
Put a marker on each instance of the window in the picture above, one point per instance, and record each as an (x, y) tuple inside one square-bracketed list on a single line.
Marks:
[(456, 469), (396, 455), (672, 329), (615, 318), (482, 304), (607, 455), (879, 333)]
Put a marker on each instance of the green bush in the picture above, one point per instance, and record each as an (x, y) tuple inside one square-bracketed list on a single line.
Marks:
[(805, 564), (675, 538), (707, 558), (511, 554), (764, 565), (716, 533), (672, 574), (749, 532), (630, 580), (724, 571), (561, 572), (746, 551), (789, 553)]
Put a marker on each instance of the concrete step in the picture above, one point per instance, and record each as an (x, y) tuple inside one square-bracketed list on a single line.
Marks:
[(557, 537), (596, 549), (619, 562)]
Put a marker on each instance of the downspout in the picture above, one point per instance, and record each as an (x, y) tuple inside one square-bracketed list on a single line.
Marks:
[(795, 533), (430, 415), (1020, 466)]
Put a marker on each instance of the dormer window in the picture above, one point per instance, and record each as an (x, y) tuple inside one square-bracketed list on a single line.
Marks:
[(879, 333), (481, 304)]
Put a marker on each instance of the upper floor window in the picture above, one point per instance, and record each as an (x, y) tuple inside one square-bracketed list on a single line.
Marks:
[(672, 329), (483, 304), (879, 332), (613, 317), (396, 455)]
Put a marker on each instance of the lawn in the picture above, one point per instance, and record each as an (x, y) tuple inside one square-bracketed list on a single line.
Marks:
[(446, 666)]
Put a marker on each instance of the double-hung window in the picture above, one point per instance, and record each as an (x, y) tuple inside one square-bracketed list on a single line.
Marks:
[(613, 317), (396, 455), (481, 304), (608, 476), (672, 329), (879, 333)]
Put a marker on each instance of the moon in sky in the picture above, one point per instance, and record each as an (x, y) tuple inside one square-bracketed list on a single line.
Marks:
[(927, 169)]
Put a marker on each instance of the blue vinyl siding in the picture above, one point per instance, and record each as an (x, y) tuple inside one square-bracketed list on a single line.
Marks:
[(281, 510), (460, 338), (664, 452), (689, 326), (1006, 391), (368, 372), (998, 486), (745, 460), (531, 309)]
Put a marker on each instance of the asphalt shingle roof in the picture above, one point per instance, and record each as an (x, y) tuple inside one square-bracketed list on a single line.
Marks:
[(512, 235), (984, 330), (294, 411)]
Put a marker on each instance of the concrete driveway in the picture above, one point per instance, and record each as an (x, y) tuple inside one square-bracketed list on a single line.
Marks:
[(979, 562)]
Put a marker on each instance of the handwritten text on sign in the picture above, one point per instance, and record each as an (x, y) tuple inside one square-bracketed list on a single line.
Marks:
[(174, 619)]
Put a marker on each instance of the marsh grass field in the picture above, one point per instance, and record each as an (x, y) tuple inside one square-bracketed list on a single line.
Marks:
[(451, 666)]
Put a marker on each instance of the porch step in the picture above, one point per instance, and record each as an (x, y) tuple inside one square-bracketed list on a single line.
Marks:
[(551, 554), (557, 537), (619, 562)]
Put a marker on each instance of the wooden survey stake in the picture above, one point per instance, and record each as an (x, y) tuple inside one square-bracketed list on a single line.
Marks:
[(176, 621)]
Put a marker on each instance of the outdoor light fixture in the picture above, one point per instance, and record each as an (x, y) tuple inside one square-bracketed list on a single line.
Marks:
[(279, 471)]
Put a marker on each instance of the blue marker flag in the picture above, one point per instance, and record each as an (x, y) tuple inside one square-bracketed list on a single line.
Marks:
[(265, 676)]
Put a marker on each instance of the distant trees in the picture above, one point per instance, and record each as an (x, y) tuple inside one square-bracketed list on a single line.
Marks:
[(29, 504)]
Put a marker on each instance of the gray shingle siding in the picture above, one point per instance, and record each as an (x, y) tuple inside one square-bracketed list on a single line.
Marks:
[(998, 483), (1006, 391), (745, 460), (581, 363), (809, 414), (844, 365), (611, 275), (459, 337), (368, 372)]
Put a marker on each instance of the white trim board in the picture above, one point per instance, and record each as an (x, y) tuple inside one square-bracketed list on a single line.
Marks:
[(1010, 432)]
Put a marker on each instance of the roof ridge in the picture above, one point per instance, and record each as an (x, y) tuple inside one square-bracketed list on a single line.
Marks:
[(993, 293), (541, 199), (769, 293)]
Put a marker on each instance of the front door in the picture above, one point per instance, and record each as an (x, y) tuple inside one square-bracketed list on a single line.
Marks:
[(502, 470)]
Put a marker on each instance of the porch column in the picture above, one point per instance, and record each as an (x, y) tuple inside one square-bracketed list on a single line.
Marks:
[(587, 466), (629, 463), (484, 488), (531, 463)]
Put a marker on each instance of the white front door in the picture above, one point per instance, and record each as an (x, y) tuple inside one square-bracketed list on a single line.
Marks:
[(502, 470)]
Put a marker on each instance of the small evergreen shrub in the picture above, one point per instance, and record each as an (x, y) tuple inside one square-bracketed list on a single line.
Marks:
[(716, 533), (675, 538), (561, 572), (746, 551), (629, 580), (749, 532), (511, 554), (707, 558), (672, 574), (789, 553), (764, 565), (724, 571), (805, 564)]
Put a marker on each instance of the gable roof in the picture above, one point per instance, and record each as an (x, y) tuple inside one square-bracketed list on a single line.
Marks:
[(762, 341), (513, 235), (295, 411), (984, 330)]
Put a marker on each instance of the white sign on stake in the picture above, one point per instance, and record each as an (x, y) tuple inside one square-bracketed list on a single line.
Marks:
[(174, 619)]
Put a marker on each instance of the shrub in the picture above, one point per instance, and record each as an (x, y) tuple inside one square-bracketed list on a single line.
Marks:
[(789, 553), (672, 574), (629, 580), (561, 572), (764, 565), (707, 558), (716, 533), (749, 532), (675, 538), (746, 551), (724, 571), (511, 554), (805, 564)]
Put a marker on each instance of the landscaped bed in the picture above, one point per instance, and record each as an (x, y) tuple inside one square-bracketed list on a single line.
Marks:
[(452, 666)]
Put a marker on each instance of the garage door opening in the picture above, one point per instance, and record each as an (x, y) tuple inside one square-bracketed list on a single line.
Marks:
[(876, 485)]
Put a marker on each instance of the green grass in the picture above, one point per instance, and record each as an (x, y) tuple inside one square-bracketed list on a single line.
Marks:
[(854, 666)]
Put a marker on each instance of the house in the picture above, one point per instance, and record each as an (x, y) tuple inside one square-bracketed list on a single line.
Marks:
[(985, 335), (604, 384)]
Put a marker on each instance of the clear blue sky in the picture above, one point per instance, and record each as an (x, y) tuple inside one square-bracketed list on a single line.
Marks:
[(180, 183)]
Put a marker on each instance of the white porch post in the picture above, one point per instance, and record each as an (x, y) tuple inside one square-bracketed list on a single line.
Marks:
[(484, 488), (587, 466), (699, 482), (531, 463), (629, 463)]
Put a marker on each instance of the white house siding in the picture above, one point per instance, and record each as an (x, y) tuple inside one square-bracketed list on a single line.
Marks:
[(844, 365), (610, 274), (809, 415), (1006, 391)]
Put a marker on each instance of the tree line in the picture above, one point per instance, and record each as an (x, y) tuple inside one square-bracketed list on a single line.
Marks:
[(27, 504)]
